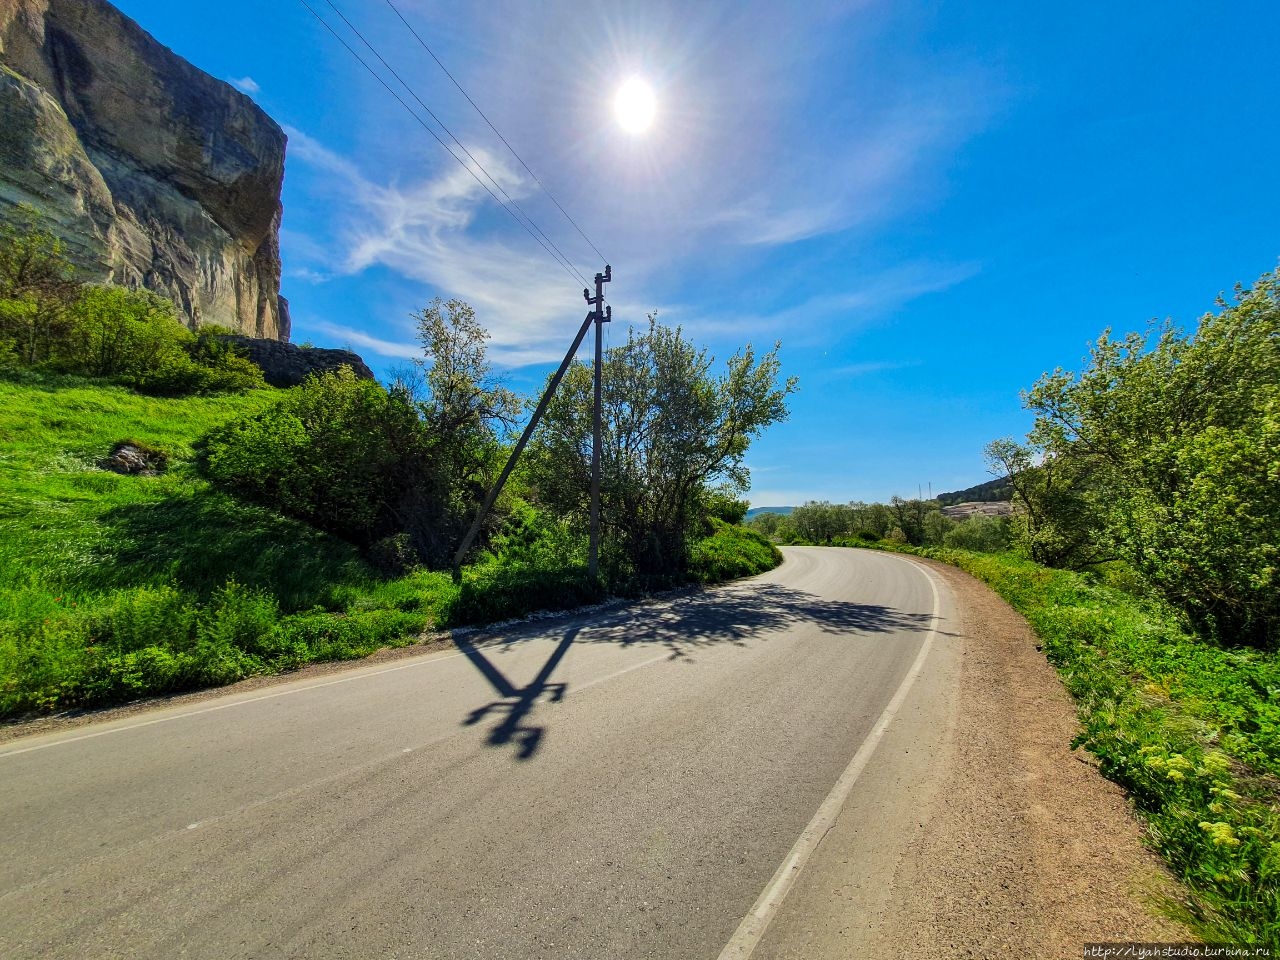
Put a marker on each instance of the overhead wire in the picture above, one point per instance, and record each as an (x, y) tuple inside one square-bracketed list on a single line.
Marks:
[(509, 199), (550, 248), (496, 131)]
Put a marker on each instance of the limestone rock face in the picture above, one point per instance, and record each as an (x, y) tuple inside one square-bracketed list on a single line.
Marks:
[(287, 364), (154, 173)]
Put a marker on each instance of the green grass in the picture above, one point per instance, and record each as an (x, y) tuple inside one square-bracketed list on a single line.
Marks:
[(114, 587), (117, 587), (1191, 730), (731, 552)]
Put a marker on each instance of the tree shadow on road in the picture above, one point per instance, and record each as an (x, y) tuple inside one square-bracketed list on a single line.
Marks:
[(682, 625)]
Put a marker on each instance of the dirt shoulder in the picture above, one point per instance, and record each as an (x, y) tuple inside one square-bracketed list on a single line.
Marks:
[(1026, 850)]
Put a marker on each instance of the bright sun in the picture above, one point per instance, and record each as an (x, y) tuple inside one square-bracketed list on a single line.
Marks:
[(634, 105)]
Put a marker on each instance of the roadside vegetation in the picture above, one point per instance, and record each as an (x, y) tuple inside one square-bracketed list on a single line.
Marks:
[(1144, 549), (260, 529)]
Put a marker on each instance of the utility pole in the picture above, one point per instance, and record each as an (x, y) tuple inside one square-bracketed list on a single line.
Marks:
[(597, 317), (601, 315)]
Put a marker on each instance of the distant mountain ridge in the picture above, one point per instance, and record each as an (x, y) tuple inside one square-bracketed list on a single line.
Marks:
[(992, 491), (756, 511)]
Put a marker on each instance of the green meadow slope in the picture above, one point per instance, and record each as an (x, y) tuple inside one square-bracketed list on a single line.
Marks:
[(114, 587)]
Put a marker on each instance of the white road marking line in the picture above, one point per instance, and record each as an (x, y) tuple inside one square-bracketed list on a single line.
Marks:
[(226, 706), (753, 926), (271, 696)]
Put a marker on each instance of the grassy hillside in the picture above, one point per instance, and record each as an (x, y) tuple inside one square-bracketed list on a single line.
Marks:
[(114, 587), (117, 586)]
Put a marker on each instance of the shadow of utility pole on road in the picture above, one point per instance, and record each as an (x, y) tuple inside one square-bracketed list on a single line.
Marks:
[(517, 702)]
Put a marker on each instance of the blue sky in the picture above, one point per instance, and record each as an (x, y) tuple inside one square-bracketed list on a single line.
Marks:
[(929, 204)]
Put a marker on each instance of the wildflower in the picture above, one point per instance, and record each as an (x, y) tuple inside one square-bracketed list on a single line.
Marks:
[(1220, 833), (1215, 764)]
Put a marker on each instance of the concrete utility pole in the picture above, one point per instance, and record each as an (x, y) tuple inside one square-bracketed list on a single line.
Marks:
[(601, 315), (598, 317)]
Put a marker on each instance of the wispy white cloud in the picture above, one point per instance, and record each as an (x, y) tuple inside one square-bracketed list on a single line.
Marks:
[(394, 349), (754, 151), (867, 367), (246, 85), (435, 231), (308, 275), (866, 300)]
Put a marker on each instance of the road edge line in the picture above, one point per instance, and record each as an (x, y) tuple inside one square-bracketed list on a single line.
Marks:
[(754, 925)]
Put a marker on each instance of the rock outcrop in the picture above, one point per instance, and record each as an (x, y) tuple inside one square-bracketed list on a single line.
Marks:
[(154, 173), (287, 364)]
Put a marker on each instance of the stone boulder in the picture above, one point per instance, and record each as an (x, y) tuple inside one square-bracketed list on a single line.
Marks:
[(287, 364), (135, 459), (153, 173)]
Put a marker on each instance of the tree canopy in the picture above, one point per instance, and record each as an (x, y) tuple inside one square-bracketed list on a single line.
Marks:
[(1175, 439), (674, 433)]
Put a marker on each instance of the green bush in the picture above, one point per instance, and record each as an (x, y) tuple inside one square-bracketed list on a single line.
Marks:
[(731, 552), (1180, 439), (145, 617), (238, 618), (979, 533), (723, 505), (533, 539), (49, 320), (321, 636), (120, 333), (494, 593), (179, 374), (338, 452)]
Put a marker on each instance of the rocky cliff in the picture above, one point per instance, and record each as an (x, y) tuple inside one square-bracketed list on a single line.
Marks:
[(154, 173)]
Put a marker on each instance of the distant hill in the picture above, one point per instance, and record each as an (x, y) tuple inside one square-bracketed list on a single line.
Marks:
[(989, 492), (756, 511)]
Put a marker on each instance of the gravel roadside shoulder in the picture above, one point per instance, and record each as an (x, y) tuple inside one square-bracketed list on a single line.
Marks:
[(1027, 850)]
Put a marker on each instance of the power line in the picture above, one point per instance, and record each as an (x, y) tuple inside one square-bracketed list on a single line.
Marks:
[(559, 258), (509, 199), (496, 131)]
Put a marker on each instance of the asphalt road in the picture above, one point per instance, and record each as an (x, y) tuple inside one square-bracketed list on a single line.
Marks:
[(653, 781)]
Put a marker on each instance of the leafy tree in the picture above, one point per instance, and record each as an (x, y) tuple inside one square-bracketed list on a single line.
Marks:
[(37, 288), (819, 521), (671, 430), (872, 518), (465, 414), (767, 524), (936, 525), (1184, 433), (1061, 504), (909, 518), (403, 469), (724, 506)]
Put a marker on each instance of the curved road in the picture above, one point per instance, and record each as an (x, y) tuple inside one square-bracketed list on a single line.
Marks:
[(652, 781)]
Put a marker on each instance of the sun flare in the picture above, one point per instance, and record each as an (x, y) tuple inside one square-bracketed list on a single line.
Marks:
[(635, 106)]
